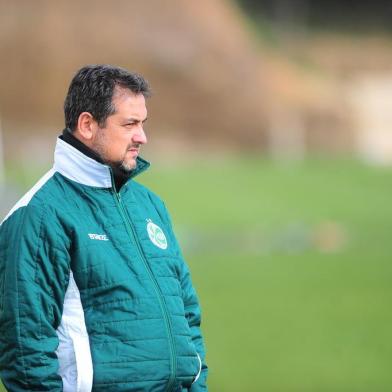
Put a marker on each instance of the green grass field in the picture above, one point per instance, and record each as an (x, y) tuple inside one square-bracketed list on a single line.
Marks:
[(293, 267)]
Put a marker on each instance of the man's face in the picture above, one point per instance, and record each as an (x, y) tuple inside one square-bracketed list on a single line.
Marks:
[(118, 142)]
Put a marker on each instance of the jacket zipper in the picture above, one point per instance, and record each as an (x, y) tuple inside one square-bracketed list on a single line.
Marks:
[(132, 233)]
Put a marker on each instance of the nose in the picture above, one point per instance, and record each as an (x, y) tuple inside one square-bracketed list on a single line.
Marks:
[(140, 136)]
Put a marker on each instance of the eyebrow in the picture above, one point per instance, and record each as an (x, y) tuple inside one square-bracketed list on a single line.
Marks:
[(131, 119)]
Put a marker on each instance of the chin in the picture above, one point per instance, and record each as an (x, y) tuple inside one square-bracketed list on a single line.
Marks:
[(127, 167)]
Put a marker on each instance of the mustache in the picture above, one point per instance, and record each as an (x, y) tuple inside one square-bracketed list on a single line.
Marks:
[(134, 145)]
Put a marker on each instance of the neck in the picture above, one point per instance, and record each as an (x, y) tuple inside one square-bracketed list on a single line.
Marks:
[(71, 139)]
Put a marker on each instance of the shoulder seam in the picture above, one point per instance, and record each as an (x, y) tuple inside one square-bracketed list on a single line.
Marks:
[(29, 195)]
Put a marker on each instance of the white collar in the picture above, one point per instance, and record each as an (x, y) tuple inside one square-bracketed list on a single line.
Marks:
[(76, 166)]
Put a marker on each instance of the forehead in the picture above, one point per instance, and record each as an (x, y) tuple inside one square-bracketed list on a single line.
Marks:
[(129, 104)]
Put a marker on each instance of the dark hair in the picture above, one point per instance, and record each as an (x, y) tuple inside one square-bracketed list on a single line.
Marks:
[(92, 88)]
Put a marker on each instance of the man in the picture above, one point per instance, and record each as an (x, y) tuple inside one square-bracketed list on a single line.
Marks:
[(95, 295)]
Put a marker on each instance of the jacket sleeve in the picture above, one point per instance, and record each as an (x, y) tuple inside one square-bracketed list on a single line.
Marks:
[(33, 271), (193, 315)]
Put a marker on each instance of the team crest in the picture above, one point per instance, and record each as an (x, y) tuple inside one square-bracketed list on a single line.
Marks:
[(156, 234)]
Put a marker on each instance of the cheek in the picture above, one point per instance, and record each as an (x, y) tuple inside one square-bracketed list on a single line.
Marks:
[(116, 145), (121, 147)]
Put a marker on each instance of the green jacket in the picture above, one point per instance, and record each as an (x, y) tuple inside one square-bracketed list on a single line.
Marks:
[(94, 292)]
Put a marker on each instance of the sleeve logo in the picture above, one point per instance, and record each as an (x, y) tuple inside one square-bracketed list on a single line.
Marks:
[(156, 235)]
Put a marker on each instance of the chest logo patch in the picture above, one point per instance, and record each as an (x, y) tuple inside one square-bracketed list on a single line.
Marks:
[(156, 234), (99, 237)]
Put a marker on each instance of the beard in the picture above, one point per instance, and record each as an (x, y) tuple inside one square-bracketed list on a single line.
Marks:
[(125, 167), (122, 166)]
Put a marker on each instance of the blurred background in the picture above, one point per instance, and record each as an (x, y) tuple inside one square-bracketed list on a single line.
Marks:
[(270, 137)]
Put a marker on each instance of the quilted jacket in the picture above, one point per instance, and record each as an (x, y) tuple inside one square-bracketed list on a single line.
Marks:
[(94, 292)]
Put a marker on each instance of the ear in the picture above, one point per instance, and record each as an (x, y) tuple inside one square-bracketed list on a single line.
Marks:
[(87, 126)]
